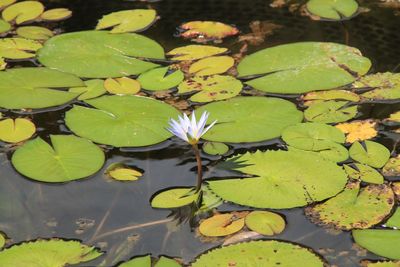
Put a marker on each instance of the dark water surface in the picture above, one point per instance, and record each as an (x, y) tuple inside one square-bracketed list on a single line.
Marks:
[(75, 210)]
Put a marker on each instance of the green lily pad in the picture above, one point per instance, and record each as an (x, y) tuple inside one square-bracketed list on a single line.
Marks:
[(249, 119), (333, 9), (92, 89), (379, 241), (386, 86), (100, 54), (23, 11), (265, 222), (122, 121), (160, 79), (14, 131), (364, 173), (4, 26), (193, 52), (215, 148), (34, 32), (332, 95), (394, 220), (371, 153), (69, 158), (211, 88), (18, 48), (23, 88), (47, 253), (354, 208), (3, 240), (143, 261), (260, 253), (166, 262), (282, 179), (122, 86), (174, 198), (292, 68), (317, 137), (127, 20), (328, 150), (212, 65), (330, 112), (392, 167), (56, 14)]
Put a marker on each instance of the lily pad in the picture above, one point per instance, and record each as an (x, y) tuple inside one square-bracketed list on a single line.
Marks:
[(122, 86), (332, 95), (333, 9), (222, 224), (330, 112), (358, 130), (208, 30), (142, 261), (69, 158), (160, 79), (56, 14), (379, 241), (23, 88), (354, 208), (364, 173), (215, 148), (260, 253), (370, 153), (18, 48), (265, 222), (34, 32), (211, 88), (212, 65), (23, 11), (100, 54), (122, 121), (47, 253), (4, 3), (4, 26), (14, 131), (281, 179), (386, 86), (392, 167), (174, 198), (193, 52), (120, 172), (393, 118), (92, 89), (366, 263), (292, 68), (127, 20), (394, 220), (3, 240), (258, 118)]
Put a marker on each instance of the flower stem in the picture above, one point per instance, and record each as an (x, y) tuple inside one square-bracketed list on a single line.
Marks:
[(199, 167)]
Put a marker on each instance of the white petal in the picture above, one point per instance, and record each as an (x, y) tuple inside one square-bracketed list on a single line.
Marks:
[(208, 128), (202, 122)]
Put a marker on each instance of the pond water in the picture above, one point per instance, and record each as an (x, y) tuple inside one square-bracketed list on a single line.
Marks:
[(116, 216)]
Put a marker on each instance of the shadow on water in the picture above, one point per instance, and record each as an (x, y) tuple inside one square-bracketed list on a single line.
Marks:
[(116, 216)]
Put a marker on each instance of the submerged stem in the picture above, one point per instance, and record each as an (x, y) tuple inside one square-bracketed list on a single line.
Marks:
[(199, 167)]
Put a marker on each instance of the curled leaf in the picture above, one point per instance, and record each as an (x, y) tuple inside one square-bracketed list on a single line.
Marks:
[(208, 30), (211, 65), (193, 52)]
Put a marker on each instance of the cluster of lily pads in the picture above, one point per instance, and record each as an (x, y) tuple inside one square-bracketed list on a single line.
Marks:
[(111, 84)]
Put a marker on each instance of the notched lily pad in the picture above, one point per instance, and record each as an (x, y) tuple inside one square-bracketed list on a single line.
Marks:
[(311, 97), (358, 130), (160, 79), (122, 86), (211, 88), (370, 153), (382, 242), (222, 224), (385, 86), (394, 220), (355, 207), (265, 222), (207, 30), (34, 32), (92, 89), (364, 173), (4, 26), (68, 158), (333, 9), (260, 253), (48, 253), (330, 111), (128, 20), (14, 131), (212, 65), (292, 68), (23, 11), (215, 148), (194, 52), (174, 198), (18, 48)]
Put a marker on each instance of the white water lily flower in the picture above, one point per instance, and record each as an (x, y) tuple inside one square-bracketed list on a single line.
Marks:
[(190, 130)]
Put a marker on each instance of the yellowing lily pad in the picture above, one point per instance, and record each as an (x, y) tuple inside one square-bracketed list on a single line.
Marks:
[(370, 153), (392, 167), (386, 86), (212, 65), (393, 118), (330, 112), (333, 9), (92, 89), (358, 130), (14, 131), (222, 224), (34, 32), (56, 14), (364, 173), (160, 79), (207, 30), (367, 263), (330, 95), (18, 48), (122, 86), (23, 11), (128, 20), (265, 222), (4, 3), (124, 174), (211, 88), (193, 52), (354, 208), (174, 198)]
